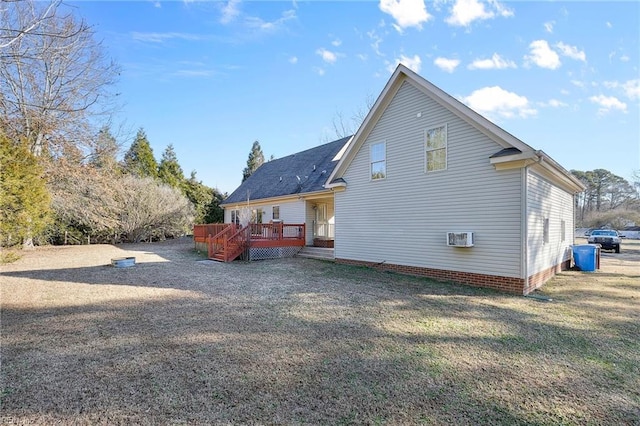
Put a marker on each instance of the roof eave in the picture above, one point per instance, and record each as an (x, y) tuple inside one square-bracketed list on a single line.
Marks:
[(560, 173), (281, 198)]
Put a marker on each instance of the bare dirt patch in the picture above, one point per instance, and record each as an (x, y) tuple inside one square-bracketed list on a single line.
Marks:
[(177, 340)]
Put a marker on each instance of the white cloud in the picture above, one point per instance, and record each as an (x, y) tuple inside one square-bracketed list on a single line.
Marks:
[(578, 83), (327, 55), (407, 13), (501, 9), (375, 42), (293, 60), (319, 71), (270, 26), (624, 58), (414, 63), (571, 51), (446, 64), (337, 42), (229, 11), (542, 55), (608, 103), (554, 103), (608, 24), (495, 101), (465, 12), (496, 62), (162, 37), (548, 26), (631, 88)]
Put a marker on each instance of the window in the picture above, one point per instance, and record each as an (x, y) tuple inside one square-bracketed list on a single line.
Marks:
[(256, 215), (545, 231), (563, 233), (378, 161), (235, 216), (275, 213), (436, 148)]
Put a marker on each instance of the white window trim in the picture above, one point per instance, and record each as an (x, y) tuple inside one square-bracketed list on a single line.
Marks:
[(446, 149), (384, 143), (272, 209)]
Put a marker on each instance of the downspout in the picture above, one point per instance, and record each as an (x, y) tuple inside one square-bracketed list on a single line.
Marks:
[(526, 217)]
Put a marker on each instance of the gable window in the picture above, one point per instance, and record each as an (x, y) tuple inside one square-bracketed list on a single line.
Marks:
[(275, 212), (436, 148), (378, 157)]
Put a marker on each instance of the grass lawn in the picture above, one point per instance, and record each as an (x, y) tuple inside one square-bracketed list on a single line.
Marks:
[(175, 340)]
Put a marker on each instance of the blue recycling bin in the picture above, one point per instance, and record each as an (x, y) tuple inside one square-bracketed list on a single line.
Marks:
[(585, 257)]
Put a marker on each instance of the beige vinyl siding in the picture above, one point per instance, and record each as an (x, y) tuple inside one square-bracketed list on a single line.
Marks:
[(547, 201), (404, 218), (290, 211)]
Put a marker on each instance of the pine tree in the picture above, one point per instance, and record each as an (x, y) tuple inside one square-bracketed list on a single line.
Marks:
[(213, 212), (139, 160), (255, 160), (169, 170), (206, 201), (105, 151), (24, 199)]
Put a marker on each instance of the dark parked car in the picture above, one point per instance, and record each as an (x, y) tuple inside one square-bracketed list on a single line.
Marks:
[(607, 238)]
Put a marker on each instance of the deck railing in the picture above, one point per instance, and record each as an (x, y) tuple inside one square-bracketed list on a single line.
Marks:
[(277, 231), (236, 244), (201, 232), (229, 238)]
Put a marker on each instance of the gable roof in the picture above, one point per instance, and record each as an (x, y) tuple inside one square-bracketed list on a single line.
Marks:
[(513, 149), (299, 173)]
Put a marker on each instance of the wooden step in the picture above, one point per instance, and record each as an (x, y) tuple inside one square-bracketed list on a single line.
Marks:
[(320, 253)]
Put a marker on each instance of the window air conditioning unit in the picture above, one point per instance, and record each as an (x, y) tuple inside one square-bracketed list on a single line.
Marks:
[(460, 239)]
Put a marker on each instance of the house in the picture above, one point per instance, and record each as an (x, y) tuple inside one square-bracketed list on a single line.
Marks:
[(429, 187), (289, 190)]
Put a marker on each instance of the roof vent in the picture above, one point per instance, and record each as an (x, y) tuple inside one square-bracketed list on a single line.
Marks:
[(314, 167), (280, 178)]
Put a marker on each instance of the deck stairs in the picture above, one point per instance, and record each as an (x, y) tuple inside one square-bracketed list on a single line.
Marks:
[(319, 253), (221, 256), (228, 244)]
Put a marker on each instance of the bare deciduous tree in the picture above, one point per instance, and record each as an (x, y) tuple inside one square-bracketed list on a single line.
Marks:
[(343, 127), (15, 26), (150, 210), (55, 75)]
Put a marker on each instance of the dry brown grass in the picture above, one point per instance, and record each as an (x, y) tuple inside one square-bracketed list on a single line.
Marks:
[(174, 341)]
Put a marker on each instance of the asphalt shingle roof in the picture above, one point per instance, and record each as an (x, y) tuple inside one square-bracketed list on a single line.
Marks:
[(299, 173), (505, 152)]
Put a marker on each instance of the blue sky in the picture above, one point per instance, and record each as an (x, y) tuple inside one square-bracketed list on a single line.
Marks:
[(212, 77)]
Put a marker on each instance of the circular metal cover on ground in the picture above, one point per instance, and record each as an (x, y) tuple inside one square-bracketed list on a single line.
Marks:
[(123, 262)]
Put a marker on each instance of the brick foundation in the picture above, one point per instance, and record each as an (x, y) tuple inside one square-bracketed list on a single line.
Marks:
[(319, 242), (495, 282), (537, 280)]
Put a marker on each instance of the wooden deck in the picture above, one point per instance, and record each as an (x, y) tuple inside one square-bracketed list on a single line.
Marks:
[(226, 241)]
